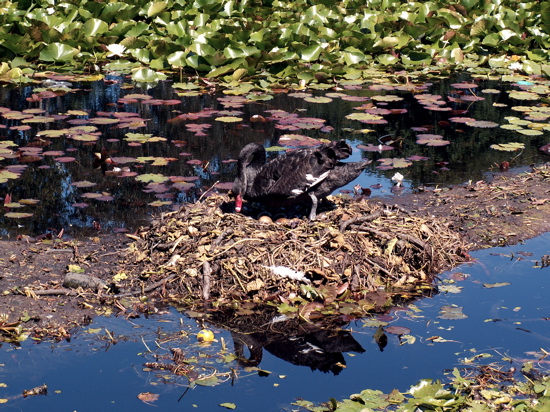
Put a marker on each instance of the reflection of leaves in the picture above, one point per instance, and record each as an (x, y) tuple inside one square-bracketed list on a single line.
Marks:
[(451, 313)]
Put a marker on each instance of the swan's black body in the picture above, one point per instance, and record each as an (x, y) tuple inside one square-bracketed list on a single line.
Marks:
[(298, 176)]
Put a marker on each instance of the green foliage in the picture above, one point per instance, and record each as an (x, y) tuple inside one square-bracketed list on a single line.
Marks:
[(282, 38), (474, 395)]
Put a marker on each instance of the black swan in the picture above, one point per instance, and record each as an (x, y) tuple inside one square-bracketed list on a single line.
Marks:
[(298, 176)]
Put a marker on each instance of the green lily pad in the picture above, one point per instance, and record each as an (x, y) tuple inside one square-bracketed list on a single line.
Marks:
[(152, 177), (508, 147), (18, 215), (318, 99), (394, 163), (530, 132)]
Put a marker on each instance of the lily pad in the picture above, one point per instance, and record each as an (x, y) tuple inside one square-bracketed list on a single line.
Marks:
[(152, 177), (394, 163), (508, 147), (18, 215)]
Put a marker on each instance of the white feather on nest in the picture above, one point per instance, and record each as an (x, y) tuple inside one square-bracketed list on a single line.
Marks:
[(285, 272)]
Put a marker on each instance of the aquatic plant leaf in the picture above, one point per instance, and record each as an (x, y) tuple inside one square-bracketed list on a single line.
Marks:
[(18, 215), (508, 147), (297, 140), (158, 203), (530, 132), (482, 123), (6, 174), (398, 330), (148, 397), (83, 183), (520, 95), (450, 288), (495, 285), (58, 52), (387, 98), (395, 162), (29, 201), (228, 119), (210, 381), (318, 99), (65, 159), (228, 405), (152, 177), (451, 313), (364, 117)]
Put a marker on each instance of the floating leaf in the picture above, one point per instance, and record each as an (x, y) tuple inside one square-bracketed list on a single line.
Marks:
[(152, 177), (29, 201), (482, 123), (451, 313), (530, 132), (229, 119), (495, 285), (6, 174), (210, 381), (15, 215), (395, 163), (148, 397), (508, 147), (318, 99), (398, 330), (518, 95)]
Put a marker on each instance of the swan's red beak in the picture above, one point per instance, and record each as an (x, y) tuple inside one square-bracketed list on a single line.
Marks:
[(238, 203)]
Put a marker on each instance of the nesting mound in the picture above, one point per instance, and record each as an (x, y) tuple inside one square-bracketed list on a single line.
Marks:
[(200, 253)]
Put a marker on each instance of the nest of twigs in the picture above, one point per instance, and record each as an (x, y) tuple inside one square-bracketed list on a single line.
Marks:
[(200, 253)]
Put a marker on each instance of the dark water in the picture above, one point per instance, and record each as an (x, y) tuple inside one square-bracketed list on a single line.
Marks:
[(467, 157), (88, 374)]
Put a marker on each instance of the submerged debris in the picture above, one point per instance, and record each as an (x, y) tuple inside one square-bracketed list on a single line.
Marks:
[(200, 253)]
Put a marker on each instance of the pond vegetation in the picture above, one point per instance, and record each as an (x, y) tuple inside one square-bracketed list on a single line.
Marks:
[(435, 93)]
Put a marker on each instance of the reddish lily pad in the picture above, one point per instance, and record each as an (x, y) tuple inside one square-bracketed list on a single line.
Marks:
[(65, 159), (297, 140), (398, 330)]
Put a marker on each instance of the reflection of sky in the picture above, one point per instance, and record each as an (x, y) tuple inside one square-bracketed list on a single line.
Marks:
[(116, 372)]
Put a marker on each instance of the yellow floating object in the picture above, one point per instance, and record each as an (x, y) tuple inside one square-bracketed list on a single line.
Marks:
[(205, 336)]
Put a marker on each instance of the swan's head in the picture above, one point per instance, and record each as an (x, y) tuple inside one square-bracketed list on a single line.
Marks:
[(251, 159)]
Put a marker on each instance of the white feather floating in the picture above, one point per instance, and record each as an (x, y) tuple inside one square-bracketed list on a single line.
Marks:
[(285, 272)]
